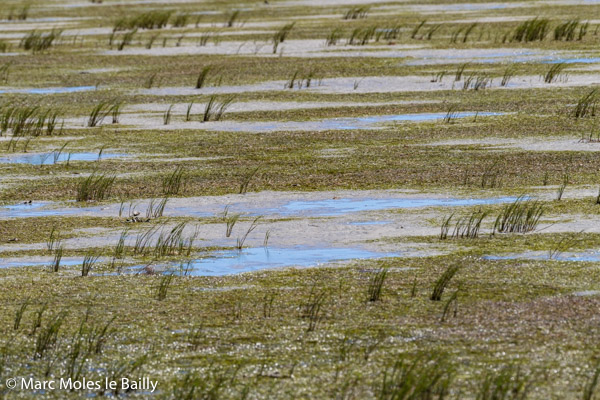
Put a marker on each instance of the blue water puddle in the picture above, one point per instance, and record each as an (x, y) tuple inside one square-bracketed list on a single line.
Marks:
[(371, 122), (333, 207), (56, 157), (582, 60), (583, 256), (253, 259), (52, 90), (41, 209), (489, 58), (66, 262)]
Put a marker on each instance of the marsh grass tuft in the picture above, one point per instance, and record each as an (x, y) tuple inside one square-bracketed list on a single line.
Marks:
[(451, 114), (58, 253), (156, 210), (240, 241), (201, 81), (174, 183), (19, 314), (246, 180), (230, 220), (426, 378), (149, 20), (167, 115), (507, 383), (95, 187), (566, 31), (126, 39), (48, 336), (333, 37), (465, 227), (312, 309), (563, 185), (359, 12), (163, 286), (531, 30), (103, 110), (281, 35), (417, 28), (554, 72), (38, 42), (443, 281), (521, 216), (232, 18), (88, 262), (459, 72), (509, 72), (376, 284), (214, 110), (586, 105)]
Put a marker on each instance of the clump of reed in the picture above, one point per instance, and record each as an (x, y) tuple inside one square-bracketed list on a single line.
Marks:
[(167, 115), (20, 14), (232, 17), (417, 28), (201, 81), (126, 39), (312, 309), (149, 20), (175, 182), (460, 70), (246, 180), (4, 69), (464, 227), (214, 109), (423, 378), (508, 382), (95, 187), (281, 35), (333, 37), (554, 72), (566, 31), (561, 188), (362, 36), (521, 216), (88, 262), (241, 240), (180, 20), (170, 242), (103, 110), (230, 220), (468, 30), (58, 253), (30, 121), (376, 284), (156, 208), (586, 105), (476, 82), (357, 13), (298, 81), (163, 286), (531, 30), (443, 281), (451, 114), (37, 42), (508, 74)]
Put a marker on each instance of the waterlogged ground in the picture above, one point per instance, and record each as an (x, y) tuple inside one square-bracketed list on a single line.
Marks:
[(307, 199)]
